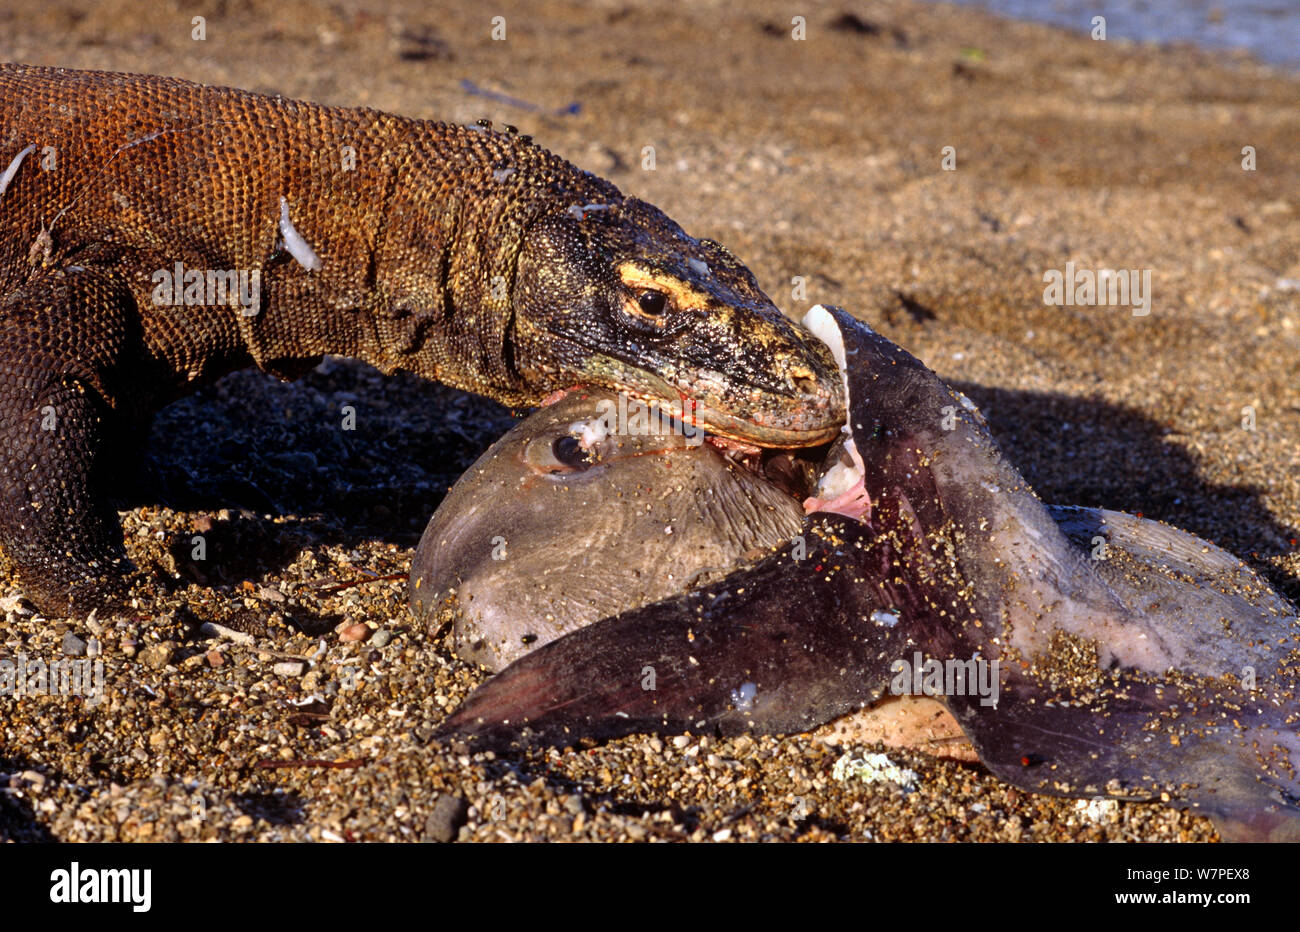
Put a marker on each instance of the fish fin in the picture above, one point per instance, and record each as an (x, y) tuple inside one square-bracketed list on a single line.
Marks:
[(1128, 742)]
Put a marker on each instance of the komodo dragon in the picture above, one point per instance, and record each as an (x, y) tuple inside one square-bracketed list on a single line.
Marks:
[(156, 234)]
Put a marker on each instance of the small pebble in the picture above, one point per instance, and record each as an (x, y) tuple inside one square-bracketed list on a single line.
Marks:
[(449, 814), (73, 646), (356, 632), (214, 630), (381, 637), (288, 668), (34, 778), (158, 656)]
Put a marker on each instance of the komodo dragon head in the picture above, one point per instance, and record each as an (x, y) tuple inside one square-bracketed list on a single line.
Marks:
[(617, 295)]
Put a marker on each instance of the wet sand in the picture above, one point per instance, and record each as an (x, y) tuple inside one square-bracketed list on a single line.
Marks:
[(817, 159)]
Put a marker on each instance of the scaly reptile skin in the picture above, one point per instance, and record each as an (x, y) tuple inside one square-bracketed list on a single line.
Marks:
[(460, 254)]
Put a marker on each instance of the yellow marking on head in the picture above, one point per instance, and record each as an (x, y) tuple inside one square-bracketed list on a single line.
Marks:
[(680, 293)]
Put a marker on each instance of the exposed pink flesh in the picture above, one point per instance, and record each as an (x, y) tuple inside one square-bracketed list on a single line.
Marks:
[(556, 395), (854, 503)]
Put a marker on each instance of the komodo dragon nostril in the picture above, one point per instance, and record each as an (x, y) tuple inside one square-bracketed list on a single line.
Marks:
[(802, 381)]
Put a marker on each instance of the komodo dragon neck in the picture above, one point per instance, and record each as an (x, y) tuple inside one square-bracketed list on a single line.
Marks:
[(416, 224)]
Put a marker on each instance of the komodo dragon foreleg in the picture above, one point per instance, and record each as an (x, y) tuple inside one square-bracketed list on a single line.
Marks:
[(61, 459)]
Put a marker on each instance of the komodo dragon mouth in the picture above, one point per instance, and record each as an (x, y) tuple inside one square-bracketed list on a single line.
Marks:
[(809, 414)]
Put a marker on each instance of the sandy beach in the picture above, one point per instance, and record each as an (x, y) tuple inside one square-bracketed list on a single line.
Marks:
[(823, 164)]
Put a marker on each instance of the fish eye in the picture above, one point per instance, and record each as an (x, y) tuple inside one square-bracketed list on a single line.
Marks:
[(653, 303), (559, 456), (568, 450)]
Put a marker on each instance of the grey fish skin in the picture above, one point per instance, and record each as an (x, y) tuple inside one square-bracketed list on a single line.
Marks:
[(530, 545), (1126, 676)]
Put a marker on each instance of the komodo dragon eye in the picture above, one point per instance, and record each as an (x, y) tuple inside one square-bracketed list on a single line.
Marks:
[(652, 303)]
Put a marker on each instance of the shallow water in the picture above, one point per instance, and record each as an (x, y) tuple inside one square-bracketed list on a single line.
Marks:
[(1268, 28)]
